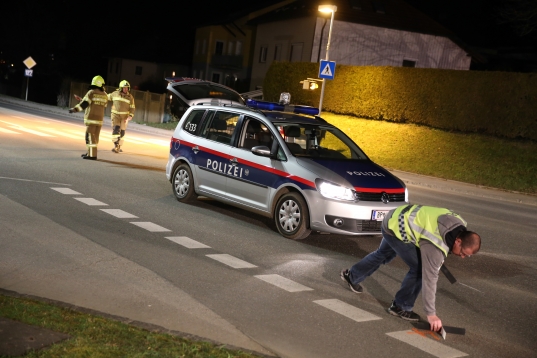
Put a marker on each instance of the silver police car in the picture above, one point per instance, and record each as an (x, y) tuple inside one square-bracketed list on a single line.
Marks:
[(283, 162)]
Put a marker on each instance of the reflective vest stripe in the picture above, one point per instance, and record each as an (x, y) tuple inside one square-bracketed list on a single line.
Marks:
[(116, 112), (91, 121)]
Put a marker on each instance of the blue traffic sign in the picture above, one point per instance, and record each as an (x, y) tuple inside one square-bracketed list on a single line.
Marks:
[(327, 70)]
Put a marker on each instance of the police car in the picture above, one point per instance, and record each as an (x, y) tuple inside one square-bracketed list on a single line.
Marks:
[(283, 162)]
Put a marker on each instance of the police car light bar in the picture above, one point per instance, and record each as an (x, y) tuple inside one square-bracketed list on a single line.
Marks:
[(272, 106)]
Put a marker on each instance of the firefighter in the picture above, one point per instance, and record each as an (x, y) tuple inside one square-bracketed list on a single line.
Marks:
[(122, 112), (93, 104)]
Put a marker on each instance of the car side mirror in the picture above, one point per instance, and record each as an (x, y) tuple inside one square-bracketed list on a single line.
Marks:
[(262, 151)]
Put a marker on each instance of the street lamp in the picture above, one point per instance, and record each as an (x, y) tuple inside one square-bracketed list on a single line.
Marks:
[(326, 9)]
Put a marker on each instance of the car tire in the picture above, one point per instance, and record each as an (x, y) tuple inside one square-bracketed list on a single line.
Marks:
[(291, 216), (183, 184)]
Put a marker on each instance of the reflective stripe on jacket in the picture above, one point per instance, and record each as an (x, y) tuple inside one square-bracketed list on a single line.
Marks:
[(411, 223), (122, 104), (97, 101)]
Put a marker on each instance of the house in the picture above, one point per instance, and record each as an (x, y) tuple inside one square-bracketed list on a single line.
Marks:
[(223, 49), (142, 75), (364, 33)]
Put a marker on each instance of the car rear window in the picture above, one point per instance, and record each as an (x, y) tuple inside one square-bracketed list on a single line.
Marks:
[(204, 90)]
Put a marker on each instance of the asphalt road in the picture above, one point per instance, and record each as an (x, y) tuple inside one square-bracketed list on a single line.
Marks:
[(108, 235)]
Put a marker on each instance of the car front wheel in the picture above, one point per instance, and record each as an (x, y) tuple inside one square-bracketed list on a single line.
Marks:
[(183, 183), (292, 217)]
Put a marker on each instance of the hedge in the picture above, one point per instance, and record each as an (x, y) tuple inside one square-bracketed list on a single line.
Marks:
[(502, 104)]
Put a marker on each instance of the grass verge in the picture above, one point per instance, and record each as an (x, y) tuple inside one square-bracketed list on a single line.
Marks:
[(471, 158), (94, 336)]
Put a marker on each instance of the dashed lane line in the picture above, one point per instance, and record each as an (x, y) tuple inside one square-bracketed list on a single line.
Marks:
[(149, 226), (347, 310), (187, 242), (66, 191), (4, 130), (59, 133), (284, 283), (91, 202), (31, 131), (420, 340), (120, 213), (231, 261)]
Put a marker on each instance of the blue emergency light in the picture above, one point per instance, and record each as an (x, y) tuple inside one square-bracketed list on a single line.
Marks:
[(272, 106)]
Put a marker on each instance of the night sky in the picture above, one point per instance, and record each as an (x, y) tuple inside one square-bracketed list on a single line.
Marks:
[(73, 39)]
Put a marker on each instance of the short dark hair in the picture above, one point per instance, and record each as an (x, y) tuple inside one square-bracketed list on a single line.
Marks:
[(470, 239)]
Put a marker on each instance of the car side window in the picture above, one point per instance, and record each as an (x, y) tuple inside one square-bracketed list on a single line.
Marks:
[(192, 123), (255, 133), (220, 126)]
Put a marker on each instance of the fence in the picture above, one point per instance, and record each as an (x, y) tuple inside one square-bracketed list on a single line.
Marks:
[(149, 106)]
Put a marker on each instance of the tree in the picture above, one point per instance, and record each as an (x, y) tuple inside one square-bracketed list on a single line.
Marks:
[(520, 14)]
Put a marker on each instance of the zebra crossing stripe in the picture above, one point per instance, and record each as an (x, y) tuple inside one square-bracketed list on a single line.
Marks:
[(66, 191), (284, 283), (420, 340), (187, 242), (347, 310), (231, 261)]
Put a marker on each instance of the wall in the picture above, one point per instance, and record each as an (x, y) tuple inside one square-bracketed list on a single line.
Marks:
[(364, 45)]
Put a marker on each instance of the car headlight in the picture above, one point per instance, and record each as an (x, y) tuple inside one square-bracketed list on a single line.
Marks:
[(333, 191)]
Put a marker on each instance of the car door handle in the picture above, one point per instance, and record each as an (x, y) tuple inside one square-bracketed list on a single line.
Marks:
[(196, 149), (234, 161)]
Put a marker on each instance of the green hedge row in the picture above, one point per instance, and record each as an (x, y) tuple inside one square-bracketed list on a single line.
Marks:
[(503, 104)]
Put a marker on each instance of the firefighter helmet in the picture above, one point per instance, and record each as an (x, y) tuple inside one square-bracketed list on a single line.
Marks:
[(97, 81), (124, 84)]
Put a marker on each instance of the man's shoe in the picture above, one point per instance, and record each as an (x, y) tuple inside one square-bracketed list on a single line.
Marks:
[(356, 288), (85, 156), (406, 315)]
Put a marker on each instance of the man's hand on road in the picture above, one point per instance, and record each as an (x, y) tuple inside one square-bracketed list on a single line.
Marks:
[(435, 322)]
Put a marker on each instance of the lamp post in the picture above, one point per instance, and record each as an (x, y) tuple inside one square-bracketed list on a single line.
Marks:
[(326, 9)]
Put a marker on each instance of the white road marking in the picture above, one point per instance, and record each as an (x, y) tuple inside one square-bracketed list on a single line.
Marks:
[(429, 345), (31, 131), (284, 283), (149, 226), (29, 119), (119, 213), (4, 130), (187, 242), (66, 191), (164, 143), (59, 133), (347, 310), (91, 201), (231, 261), (34, 181)]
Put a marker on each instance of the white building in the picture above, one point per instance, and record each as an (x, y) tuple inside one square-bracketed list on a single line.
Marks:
[(364, 33)]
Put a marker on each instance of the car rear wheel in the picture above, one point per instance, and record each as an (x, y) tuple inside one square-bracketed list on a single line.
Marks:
[(183, 183), (291, 216)]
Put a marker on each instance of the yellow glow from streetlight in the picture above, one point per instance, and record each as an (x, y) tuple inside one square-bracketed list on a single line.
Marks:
[(327, 8)]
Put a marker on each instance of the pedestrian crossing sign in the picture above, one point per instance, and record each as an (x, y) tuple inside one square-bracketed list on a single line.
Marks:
[(327, 69)]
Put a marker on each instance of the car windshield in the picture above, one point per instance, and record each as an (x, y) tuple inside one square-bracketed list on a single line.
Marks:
[(205, 90), (318, 141)]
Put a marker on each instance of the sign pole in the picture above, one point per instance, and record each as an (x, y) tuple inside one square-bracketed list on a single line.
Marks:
[(27, 83)]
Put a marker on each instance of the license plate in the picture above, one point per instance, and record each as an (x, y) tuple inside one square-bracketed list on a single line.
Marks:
[(379, 215)]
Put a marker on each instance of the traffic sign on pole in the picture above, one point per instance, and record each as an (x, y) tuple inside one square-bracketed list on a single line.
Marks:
[(28, 73), (327, 69), (29, 62)]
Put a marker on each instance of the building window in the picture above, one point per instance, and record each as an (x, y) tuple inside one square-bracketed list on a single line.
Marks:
[(409, 63), (138, 70), (204, 47), (230, 48), (201, 75), (238, 48), (263, 54), (296, 52), (219, 48), (278, 52)]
